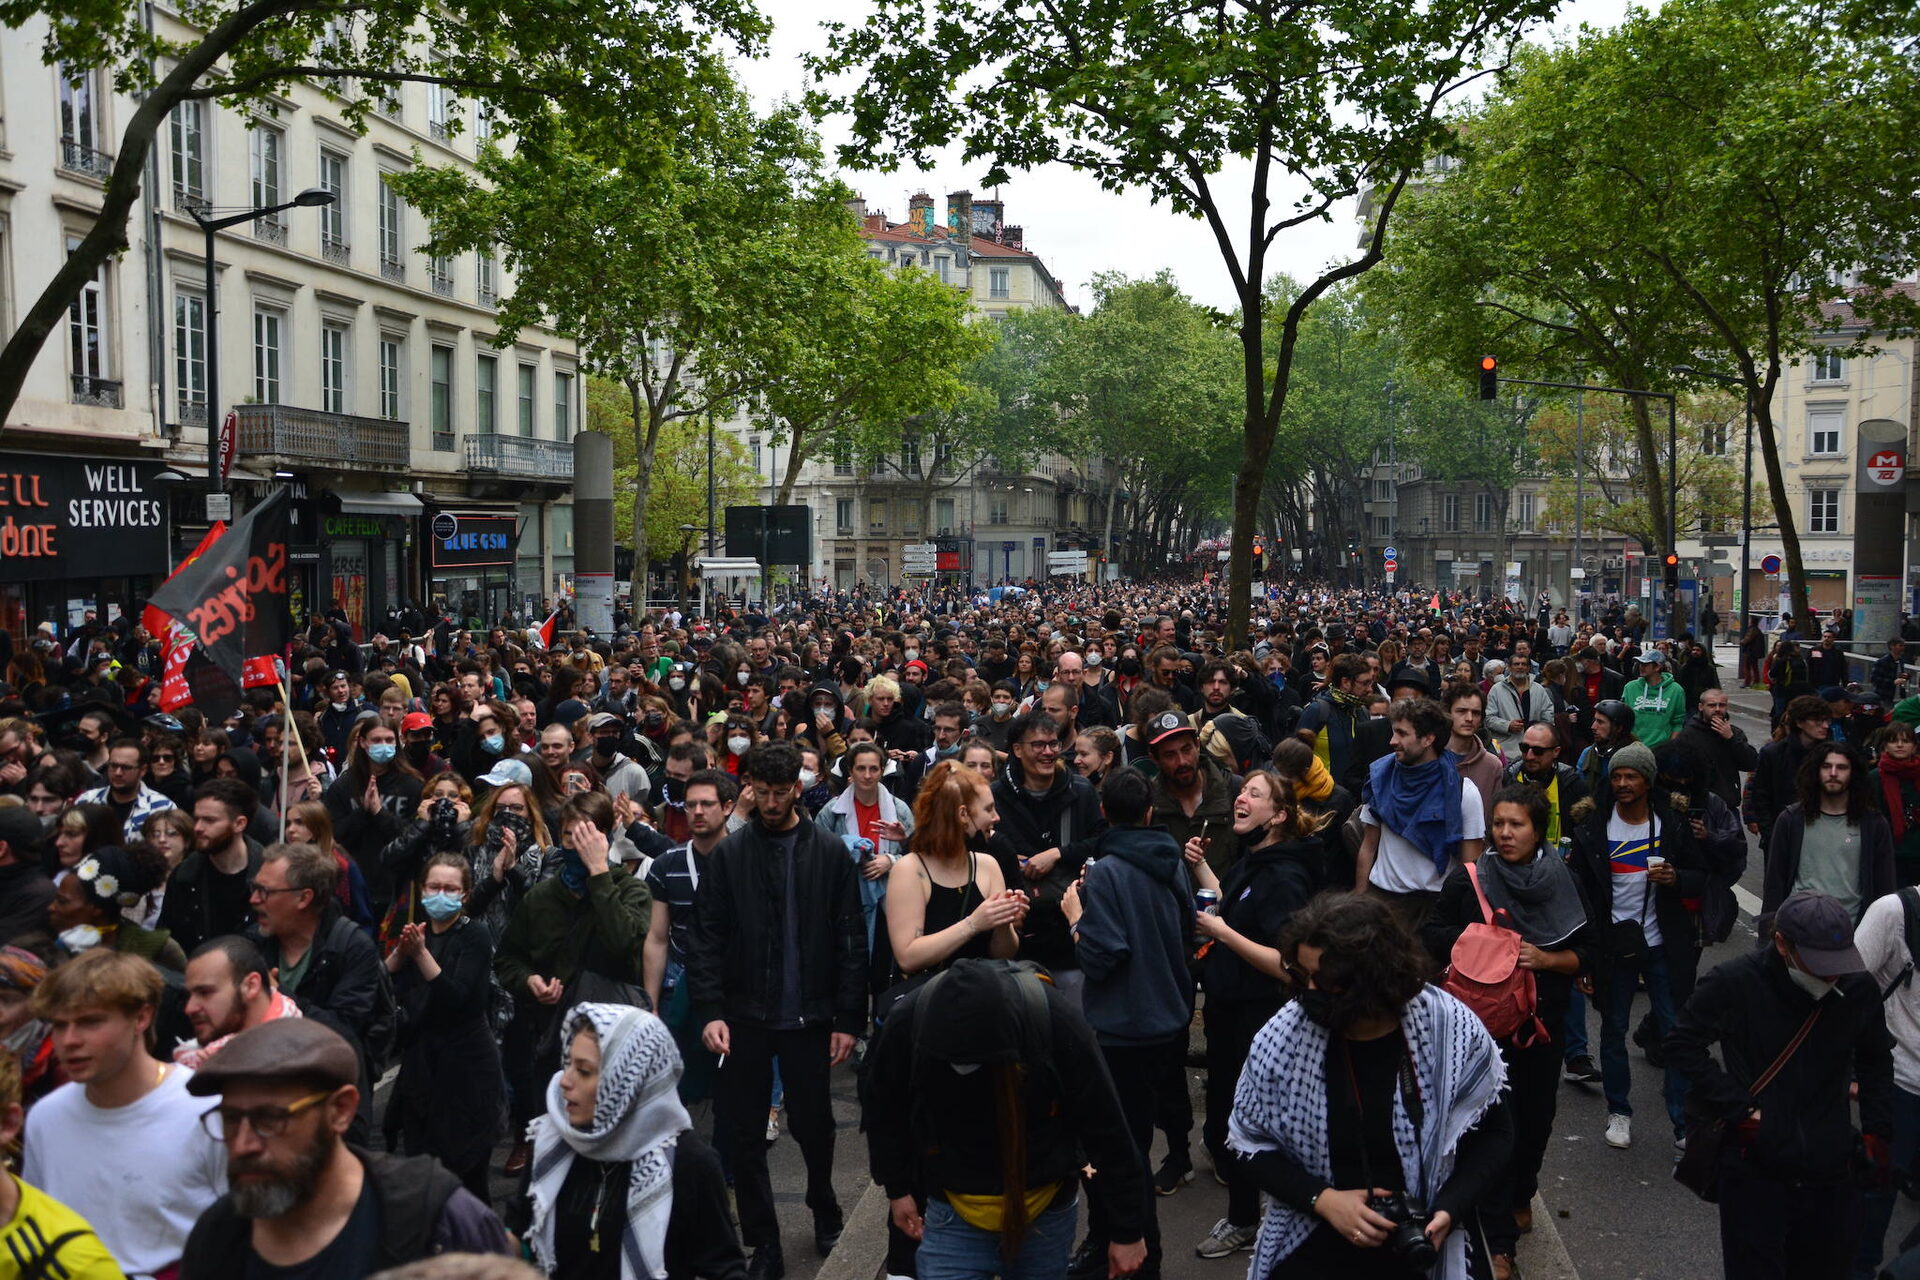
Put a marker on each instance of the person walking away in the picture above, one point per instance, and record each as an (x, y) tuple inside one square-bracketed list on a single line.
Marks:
[(1132, 923), (621, 1187), (1317, 1112), (778, 969), (302, 1199), (1833, 840), (1802, 1016), (1637, 863), (1530, 891), (1276, 874), (988, 1089), (1421, 819), (450, 1091), (120, 1144)]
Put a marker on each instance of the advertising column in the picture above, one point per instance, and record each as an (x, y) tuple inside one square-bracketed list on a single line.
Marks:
[(593, 531), (1879, 534)]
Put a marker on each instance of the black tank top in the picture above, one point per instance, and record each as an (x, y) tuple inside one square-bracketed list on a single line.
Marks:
[(948, 907)]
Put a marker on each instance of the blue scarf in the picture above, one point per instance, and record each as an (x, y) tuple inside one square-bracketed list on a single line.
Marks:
[(1420, 804)]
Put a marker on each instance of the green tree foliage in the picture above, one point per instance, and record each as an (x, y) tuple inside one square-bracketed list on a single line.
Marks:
[(1722, 182), (678, 493), (641, 69), (1328, 97), (1150, 379), (697, 279)]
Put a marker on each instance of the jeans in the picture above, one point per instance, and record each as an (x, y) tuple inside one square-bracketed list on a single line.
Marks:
[(953, 1249), (1876, 1205), (1616, 1015), (1573, 1038)]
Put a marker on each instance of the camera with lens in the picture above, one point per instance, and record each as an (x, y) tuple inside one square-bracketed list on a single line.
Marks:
[(1408, 1239)]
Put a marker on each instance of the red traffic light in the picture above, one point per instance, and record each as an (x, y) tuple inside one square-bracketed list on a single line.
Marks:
[(1489, 378), (1673, 561), (1489, 364)]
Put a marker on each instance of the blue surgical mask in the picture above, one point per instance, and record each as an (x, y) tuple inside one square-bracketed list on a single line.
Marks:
[(381, 752), (441, 906), (494, 744)]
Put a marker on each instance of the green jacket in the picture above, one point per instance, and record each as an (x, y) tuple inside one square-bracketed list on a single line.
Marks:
[(555, 933), (1659, 711)]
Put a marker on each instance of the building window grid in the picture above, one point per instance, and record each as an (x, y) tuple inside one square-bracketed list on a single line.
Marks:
[(267, 339), (999, 283), (333, 217), (80, 125), (1823, 511), (392, 361), (440, 375), (843, 516), (842, 458), (393, 263), (90, 343), (334, 341), (526, 400), (440, 273), (562, 406), (486, 386), (910, 455), (1482, 512), (188, 129), (1450, 512), (190, 356), (487, 279), (439, 110), (264, 180), (1823, 434), (1829, 366)]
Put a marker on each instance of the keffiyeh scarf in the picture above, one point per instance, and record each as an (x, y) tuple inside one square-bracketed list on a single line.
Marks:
[(637, 1119), (1281, 1105)]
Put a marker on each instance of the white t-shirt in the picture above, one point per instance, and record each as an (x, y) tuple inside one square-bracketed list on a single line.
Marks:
[(1400, 867), (1882, 939), (1628, 848), (141, 1174)]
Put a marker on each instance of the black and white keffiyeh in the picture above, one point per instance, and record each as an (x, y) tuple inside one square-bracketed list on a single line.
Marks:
[(637, 1118), (1281, 1105)]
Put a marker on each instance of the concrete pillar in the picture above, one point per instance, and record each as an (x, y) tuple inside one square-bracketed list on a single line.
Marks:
[(1879, 533), (593, 531)]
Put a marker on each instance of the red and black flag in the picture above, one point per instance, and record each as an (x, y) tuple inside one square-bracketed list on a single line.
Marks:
[(233, 597)]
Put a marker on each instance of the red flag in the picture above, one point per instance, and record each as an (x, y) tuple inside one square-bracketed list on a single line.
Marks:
[(157, 621), (235, 598), (545, 630)]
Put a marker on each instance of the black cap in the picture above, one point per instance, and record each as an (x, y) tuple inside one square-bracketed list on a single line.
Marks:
[(1821, 931)]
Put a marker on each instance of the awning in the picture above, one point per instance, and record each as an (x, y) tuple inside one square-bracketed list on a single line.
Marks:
[(198, 471), (378, 503)]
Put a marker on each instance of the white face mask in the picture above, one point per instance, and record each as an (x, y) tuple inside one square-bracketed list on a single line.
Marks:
[(913, 655), (738, 745), (741, 677), (1818, 988), (676, 683), (807, 778), (1095, 657)]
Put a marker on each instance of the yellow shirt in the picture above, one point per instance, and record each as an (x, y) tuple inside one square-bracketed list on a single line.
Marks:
[(985, 1212), (37, 1227)]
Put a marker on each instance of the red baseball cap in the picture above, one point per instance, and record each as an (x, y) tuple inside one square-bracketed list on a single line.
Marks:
[(415, 720)]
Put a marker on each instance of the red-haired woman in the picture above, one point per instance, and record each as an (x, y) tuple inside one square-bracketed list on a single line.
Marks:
[(944, 901)]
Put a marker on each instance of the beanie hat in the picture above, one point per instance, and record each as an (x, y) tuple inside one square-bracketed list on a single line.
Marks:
[(1637, 756)]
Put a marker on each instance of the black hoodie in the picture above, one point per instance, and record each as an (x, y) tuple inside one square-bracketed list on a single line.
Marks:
[(1260, 892), (1067, 817)]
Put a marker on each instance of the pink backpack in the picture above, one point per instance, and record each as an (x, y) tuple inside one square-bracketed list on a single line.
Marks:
[(1485, 975)]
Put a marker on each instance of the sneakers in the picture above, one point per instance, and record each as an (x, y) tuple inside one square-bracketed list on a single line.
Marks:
[(1620, 1131), (1581, 1070), (1226, 1240), (1175, 1171), (773, 1124)]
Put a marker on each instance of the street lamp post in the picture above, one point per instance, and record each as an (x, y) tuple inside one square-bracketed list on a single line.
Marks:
[(311, 198), (1746, 487)]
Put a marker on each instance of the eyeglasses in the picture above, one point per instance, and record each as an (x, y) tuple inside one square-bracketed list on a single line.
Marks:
[(257, 890), (1529, 749), (222, 1123), (510, 808), (1043, 746), (164, 757)]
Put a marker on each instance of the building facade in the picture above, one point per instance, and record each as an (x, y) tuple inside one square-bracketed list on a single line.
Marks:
[(425, 457), (991, 521)]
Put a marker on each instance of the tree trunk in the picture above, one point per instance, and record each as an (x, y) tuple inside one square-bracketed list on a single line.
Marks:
[(1782, 504), (108, 235)]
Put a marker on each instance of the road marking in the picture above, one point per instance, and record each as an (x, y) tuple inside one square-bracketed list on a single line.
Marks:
[(1748, 903)]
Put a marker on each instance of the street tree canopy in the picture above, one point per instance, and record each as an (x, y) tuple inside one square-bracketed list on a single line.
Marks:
[(1331, 96), (643, 71)]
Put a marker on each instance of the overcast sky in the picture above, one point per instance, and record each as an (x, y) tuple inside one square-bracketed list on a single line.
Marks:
[(1076, 228)]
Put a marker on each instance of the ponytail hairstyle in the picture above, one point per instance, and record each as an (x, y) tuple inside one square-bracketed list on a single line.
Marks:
[(939, 811)]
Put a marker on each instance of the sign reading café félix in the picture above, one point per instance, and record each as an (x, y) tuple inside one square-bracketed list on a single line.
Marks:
[(75, 518)]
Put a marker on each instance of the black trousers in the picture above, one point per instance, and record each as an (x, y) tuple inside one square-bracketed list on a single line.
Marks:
[(1773, 1230), (744, 1085), (1533, 1093), (1231, 1028), (1141, 1076)]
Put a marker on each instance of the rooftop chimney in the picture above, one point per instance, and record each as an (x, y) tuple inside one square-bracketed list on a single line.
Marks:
[(1011, 238), (960, 215), (920, 213), (858, 205)]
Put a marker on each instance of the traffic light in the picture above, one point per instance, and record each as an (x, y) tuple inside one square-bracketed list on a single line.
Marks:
[(1259, 559), (1671, 571), (1489, 378)]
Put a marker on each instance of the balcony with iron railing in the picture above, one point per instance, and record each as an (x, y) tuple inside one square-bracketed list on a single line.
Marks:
[(338, 441), (104, 393), (335, 250), (191, 412), (85, 159), (520, 457), (392, 268), (440, 275), (272, 229), (189, 201)]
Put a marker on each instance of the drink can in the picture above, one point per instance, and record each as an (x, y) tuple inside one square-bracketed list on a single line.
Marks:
[(1207, 901)]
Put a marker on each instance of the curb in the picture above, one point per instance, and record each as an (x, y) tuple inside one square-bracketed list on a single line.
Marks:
[(1543, 1254), (862, 1251)]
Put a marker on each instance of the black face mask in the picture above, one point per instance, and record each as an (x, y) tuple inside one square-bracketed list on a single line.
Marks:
[(419, 751), (655, 722), (1317, 1005), (606, 746)]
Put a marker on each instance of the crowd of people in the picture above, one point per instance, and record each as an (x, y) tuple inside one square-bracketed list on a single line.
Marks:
[(999, 857)]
